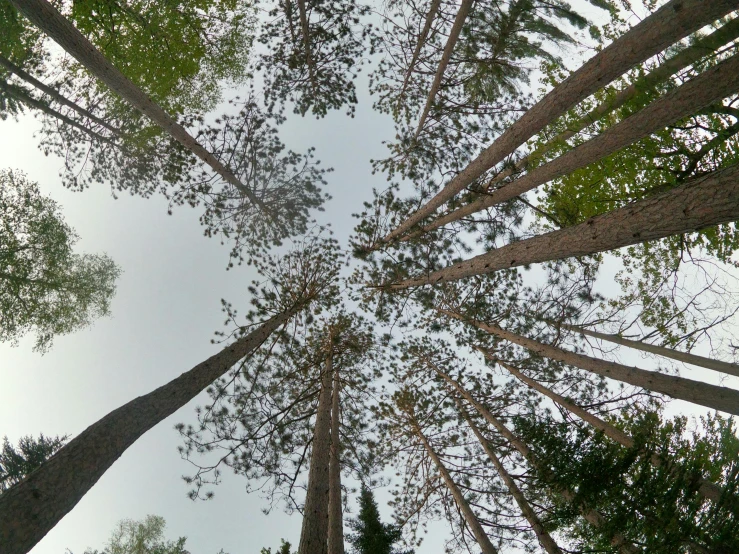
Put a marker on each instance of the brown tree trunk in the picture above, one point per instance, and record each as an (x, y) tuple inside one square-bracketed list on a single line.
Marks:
[(305, 28), (673, 21), (702, 202), (314, 533), (544, 538), (464, 10), (469, 516), (433, 9), (593, 517), (335, 513), (54, 94), (32, 508), (693, 359), (709, 87), (47, 18), (711, 396), (707, 489)]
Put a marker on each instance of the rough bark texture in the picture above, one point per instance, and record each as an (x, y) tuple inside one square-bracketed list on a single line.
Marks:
[(693, 359), (464, 10), (335, 513), (54, 94), (32, 508), (47, 18), (593, 517), (469, 516), (702, 202), (314, 534), (711, 396), (430, 16), (709, 87), (707, 489), (544, 538), (673, 21)]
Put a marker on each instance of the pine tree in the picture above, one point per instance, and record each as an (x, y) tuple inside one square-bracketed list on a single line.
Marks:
[(370, 535)]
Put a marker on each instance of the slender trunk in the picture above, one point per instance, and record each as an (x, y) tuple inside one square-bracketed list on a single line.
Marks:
[(314, 534), (593, 517), (711, 396), (702, 202), (469, 516), (305, 27), (709, 87), (335, 514), (433, 9), (32, 508), (706, 488), (47, 18), (464, 10), (23, 96), (693, 359), (544, 538), (673, 21)]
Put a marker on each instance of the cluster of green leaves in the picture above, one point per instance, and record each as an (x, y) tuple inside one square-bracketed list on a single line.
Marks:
[(17, 462)]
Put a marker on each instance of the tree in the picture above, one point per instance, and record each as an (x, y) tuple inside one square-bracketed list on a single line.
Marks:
[(17, 462), (370, 535), (45, 287), (141, 537)]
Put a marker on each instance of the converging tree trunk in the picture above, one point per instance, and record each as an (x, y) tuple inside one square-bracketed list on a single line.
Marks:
[(464, 10), (305, 28), (469, 516), (32, 508), (335, 512), (314, 533), (47, 18), (544, 538), (702, 202), (673, 21), (430, 16), (711, 396), (688, 358)]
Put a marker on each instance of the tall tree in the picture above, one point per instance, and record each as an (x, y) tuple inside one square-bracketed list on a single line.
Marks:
[(370, 535)]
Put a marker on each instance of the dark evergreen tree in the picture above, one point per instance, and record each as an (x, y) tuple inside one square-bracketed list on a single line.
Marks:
[(370, 535), (18, 461)]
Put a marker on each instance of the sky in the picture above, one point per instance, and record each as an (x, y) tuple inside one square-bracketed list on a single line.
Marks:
[(164, 314)]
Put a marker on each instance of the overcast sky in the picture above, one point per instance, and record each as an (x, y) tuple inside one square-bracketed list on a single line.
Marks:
[(164, 315)]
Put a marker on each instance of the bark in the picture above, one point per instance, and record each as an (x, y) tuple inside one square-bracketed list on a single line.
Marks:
[(593, 517), (433, 9), (22, 95), (335, 514), (673, 21), (54, 94), (544, 538), (702, 202), (305, 28), (32, 508), (688, 358), (469, 516), (711, 396), (709, 87), (47, 18), (706, 488), (314, 533), (464, 10)]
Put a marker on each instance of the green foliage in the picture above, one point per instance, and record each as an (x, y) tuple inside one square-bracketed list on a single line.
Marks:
[(371, 536), (141, 537), (284, 548), (44, 286), (17, 462)]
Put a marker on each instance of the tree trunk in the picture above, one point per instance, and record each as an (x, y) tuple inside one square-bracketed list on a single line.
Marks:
[(544, 538), (673, 21), (707, 489), (54, 94), (32, 508), (335, 513), (469, 516), (47, 18), (305, 28), (711, 396), (693, 359), (593, 517), (433, 9), (464, 10), (709, 87), (702, 202), (314, 534)]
